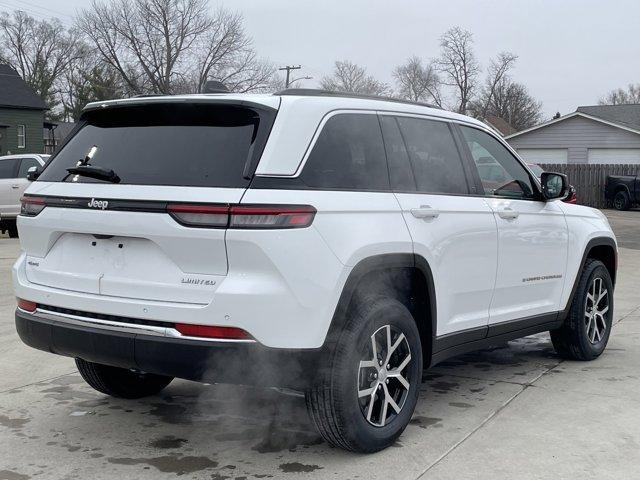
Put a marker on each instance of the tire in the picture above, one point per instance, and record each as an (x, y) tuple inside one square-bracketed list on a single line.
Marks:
[(582, 337), (621, 200), (120, 382), (12, 229), (334, 404)]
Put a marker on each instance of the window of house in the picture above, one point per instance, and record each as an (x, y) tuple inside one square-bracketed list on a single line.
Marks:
[(22, 136)]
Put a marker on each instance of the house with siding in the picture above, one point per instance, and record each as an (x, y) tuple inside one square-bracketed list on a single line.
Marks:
[(600, 134), (21, 115)]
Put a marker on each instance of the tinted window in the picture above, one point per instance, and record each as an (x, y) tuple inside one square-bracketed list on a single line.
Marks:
[(434, 157), (400, 174), (501, 174), (8, 168), (164, 144), (25, 165), (348, 154)]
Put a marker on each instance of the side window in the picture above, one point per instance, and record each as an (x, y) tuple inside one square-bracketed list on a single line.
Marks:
[(25, 165), (348, 154), (400, 173), (8, 168), (501, 173), (433, 155)]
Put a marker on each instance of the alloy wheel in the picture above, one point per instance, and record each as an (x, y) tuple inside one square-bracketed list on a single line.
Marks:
[(383, 384), (595, 312)]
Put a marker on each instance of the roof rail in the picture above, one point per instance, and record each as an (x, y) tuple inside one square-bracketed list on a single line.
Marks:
[(316, 92)]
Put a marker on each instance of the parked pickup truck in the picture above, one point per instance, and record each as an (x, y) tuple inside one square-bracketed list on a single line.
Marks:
[(623, 191)]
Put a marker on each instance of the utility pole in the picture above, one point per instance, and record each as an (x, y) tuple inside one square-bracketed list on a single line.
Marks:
[(288, 68)]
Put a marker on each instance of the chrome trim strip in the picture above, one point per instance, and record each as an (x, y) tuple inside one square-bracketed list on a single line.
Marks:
[(127, 327)]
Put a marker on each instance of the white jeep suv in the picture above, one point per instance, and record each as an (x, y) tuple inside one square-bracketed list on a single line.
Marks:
[(332, 244)]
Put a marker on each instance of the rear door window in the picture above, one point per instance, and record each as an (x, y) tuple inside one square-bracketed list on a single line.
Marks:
[(9, 167), (201, 145), (433, 156), (348, 154)]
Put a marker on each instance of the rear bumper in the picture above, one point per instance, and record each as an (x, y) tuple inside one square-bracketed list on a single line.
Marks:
[(208, 361)]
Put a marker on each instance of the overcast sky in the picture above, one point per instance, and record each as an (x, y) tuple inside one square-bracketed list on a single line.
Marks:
[(571, 52)]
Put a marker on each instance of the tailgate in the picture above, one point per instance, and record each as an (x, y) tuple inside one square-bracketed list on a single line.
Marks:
[(139, 252)]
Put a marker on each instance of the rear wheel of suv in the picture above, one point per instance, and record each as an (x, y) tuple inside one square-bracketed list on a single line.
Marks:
[(621, 201), (586, 330), (364, 399), (12, 229), (121, 382)]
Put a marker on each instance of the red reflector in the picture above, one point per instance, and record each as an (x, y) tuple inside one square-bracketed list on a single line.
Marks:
[(26, 305), (229, 333)]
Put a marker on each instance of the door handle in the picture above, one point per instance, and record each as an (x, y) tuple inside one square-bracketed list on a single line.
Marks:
[(15, 186), (508, 213), (425, 211)]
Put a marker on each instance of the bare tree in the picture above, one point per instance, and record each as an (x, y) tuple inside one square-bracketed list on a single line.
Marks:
[(458, 65), (88, 80), (172, 46), (41, 51), (621, 96), (418, 82), (512, 102), (497, 71), (351, 78)]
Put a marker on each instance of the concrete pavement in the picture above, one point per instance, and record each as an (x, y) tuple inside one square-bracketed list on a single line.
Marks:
[(512, 412)]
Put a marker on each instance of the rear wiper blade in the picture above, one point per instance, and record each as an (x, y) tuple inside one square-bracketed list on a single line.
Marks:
[(95, 172)]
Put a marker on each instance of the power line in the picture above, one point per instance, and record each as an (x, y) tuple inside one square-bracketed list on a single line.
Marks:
[(44, 8), (38, 15)]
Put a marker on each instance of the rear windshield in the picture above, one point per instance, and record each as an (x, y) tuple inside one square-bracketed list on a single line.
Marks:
[(200, 145)]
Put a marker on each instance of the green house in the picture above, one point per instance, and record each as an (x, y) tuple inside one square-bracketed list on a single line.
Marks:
[(21, 115)]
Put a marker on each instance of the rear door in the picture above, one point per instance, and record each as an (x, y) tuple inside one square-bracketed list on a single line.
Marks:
[(9, 204), (158, 232), (451, 228), (532, 235)]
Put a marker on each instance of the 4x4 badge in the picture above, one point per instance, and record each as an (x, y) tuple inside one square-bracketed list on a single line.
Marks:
[(101, 204)]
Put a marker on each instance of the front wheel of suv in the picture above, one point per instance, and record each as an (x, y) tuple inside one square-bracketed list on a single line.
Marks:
[(121, 382), (366, 395), (585, 332), (12, 229)]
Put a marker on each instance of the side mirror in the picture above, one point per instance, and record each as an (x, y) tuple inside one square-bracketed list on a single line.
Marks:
[(554, 185), (33, 173)]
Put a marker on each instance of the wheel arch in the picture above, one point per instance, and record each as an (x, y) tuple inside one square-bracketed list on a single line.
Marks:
[(599, 248), (404, 276)]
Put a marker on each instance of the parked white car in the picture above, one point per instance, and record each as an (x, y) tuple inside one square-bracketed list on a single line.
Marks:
[(333, 244), (13, 182)]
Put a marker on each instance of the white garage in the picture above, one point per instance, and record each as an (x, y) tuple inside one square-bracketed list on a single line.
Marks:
[(543, 155), (613, 155)]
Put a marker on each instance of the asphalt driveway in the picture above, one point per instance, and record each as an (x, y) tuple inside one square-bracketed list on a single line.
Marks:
[(517, 411)]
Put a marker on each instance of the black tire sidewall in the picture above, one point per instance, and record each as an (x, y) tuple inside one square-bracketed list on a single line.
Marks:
[(358, 430), (596, 269), (624, 200)]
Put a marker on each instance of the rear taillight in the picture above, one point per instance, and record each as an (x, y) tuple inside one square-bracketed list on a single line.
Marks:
[(26, 305), (209, 331), (31, 206), (242, 216), (275, 216), (572, 198), (203, 216)]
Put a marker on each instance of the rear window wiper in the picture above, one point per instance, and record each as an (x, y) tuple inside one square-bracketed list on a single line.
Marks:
[(95, 172)]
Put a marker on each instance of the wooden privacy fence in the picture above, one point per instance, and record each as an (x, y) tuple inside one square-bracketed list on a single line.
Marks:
[(589, 180)]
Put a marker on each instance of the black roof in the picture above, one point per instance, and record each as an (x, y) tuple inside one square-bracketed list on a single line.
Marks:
[(627, 115), (15, 93), (316, 92)]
